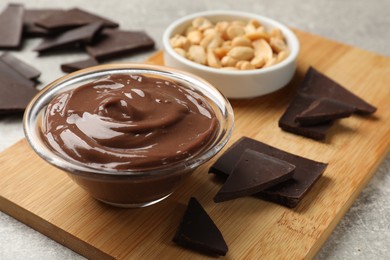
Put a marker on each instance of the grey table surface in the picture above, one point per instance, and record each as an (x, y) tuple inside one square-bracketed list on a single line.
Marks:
[(363, 233)]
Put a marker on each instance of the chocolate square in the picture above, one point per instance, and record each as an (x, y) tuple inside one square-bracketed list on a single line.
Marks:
[(253, 173), (288, 193)]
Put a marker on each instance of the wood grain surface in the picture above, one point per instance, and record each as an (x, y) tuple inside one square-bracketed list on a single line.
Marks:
[(44, 198)]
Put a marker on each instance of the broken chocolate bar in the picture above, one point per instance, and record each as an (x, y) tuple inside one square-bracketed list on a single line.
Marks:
[(113, 43), (288, 193), (288, 123), (24, 69), (253, 173), (78, 65), (11, 26), (31, 16), (74, 38), (17, 81), (318, 85), (14, 96), (10, 74), (197, 231), (323, 110), (69, 19)]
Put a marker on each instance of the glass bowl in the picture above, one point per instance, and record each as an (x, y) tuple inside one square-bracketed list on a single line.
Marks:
[(130, 187)]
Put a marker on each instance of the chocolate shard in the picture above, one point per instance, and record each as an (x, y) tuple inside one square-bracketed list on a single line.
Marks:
[(31, 16), (117, 42), (288, 123), (11, 26), (323, 110), (14, 96), (288, 193), (24, 69), (9, 74), (197, 231), (317, 84), (253, 173), (72, 38), (72, 18), (78, 65)]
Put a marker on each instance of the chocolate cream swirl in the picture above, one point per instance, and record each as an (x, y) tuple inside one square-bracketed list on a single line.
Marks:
[(128, 122)]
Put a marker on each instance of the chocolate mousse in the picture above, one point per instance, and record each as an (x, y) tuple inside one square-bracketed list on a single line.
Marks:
[(129, 122)]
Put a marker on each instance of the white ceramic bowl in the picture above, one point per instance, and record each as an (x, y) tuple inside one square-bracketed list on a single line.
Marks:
[(235, 84)]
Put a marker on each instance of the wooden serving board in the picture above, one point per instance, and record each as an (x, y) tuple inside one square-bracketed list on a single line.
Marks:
[(44, 198)]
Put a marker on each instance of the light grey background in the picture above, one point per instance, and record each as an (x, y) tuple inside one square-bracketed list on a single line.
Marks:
[(364, 233)]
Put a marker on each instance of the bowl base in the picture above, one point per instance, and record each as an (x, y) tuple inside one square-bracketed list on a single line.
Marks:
[(134, 205)]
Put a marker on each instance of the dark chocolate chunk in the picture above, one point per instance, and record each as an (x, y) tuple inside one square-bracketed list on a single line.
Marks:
[(72, 38), (323, 110), (72, 18), (288, 193), (31, 16), (318, 85), (14, 96), (253, 173), (78, 65), (8, 73), (11, 26), (117, 42), (287, 122), (197, 231), (24, 69)]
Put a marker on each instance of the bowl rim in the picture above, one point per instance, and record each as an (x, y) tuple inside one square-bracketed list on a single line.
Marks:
[(287, 32), (81, 169)]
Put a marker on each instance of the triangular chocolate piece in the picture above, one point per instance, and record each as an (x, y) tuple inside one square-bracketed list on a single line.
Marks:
[(318, 85), (197, 231), (114, 43), (72, 18), (323, 110), (75, 38), (287, 122), (11, 26), (14, 96), (253, 173), (25, 70), (288, 193), (78, 65), (31, 16)]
